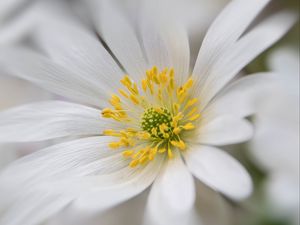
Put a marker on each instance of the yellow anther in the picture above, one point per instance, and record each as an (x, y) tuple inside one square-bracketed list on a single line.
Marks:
[(150, 86), (126, 81), (114, 145), (194, 117), (134, 99), (134, 89), (111, 133), (154, 70), (161, 150), (188, 84), (190, 103), (106, 111), (163, 77), (176, 130), (192, 112), (170, 153), (176, 107), (123, 93), (163, 127), (165, 135), (115, 99), (188, 126), (180, 91), (179, 144), (154, 131), (152, 153), (171, 73), (144, 85), (182, 97), (134, 163), (143, 160), (127, 153), (144, 135), (159, 110)]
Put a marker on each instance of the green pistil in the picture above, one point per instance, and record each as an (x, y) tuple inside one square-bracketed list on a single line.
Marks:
[(153, 119)]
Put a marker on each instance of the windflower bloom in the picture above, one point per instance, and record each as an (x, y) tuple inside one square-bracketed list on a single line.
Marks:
[(275, 146), (148, 117)]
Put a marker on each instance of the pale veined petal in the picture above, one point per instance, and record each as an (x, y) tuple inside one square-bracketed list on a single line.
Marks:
[(224, 32), (224, 130), (54, 177), (51, 119), (82, 157), (219, 171), (135, 206), (172, 195), (118, 187), (79, 50), (233, 60), (112, 25), (242, 97), (34, 209), (165, 41), (38, 69)]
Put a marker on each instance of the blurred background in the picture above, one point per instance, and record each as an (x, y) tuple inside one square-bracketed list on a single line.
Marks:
[(271, 157)]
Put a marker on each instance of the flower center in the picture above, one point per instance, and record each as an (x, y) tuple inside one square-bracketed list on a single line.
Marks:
[(153, 117), (157, 122)]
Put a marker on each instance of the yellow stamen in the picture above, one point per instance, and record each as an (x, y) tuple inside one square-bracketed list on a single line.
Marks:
[(188, 126), (157, 121)]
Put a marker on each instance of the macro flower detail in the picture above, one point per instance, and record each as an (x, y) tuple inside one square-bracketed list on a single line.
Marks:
[(155, 116), (156, 128)]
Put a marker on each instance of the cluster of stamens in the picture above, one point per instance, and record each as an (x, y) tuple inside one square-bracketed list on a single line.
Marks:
[(154, 116)]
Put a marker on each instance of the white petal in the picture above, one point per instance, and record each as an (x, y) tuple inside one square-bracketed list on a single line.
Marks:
[(219, 171), (165, 41), (118, 187), (224, 32), (83, 157), (37, 69), (81, 52), (34, 209), (112, 25), (241, 98), (48, 177), (240, 54), (115, 215), (7, 155), (173, 193), (225, 130), (51, 119)]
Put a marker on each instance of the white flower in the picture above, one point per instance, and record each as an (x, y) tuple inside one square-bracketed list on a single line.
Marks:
[(275, 145), (161, 123)]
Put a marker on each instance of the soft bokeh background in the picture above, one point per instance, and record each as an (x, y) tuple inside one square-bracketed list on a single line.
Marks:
[(275, 200)]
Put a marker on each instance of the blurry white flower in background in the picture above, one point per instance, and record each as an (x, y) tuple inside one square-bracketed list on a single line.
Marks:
[(86, 172), (275, 145)]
